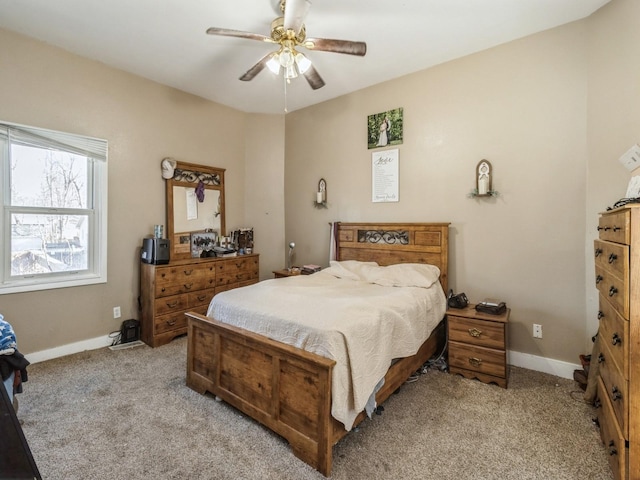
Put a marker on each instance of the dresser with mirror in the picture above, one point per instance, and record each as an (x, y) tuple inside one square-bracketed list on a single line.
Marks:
[(195, 210)]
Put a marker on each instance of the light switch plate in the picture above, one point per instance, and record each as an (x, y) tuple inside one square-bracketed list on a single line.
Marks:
[(631, 159)]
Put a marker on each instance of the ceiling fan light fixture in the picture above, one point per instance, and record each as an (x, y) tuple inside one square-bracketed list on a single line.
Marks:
[(290, 72), (302, 62), (273, 63), (286, 57)]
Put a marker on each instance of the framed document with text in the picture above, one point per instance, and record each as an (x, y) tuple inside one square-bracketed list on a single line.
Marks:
[(384, 176)]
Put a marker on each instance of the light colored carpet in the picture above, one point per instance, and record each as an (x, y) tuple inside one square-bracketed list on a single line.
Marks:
[(127, 414)]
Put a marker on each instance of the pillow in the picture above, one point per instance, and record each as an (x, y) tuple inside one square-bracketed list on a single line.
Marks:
[(404, 275), (349, 269)]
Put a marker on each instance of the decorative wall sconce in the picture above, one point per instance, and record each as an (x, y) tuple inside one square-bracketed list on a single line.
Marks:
[(484, 180), (321, 194)]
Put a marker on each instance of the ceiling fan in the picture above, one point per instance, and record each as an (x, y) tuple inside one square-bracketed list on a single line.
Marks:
[(289, 32)]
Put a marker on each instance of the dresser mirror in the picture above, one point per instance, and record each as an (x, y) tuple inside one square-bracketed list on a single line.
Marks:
[(195, 203)]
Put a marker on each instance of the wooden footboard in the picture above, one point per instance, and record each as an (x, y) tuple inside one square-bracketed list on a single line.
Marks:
[(284, 388)]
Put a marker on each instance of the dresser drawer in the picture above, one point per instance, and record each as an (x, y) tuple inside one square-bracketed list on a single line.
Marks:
[(169, 322), (616, 387), (177, 275), (611, 435), (236, 269), (615, 289), (614, 331), (615, 227), (478, 359), (175, 303), (613, 257), (191, 285), (202, 297), (476, 332)]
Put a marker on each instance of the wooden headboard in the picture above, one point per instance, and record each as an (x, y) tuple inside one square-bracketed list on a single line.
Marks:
[(390, 243)]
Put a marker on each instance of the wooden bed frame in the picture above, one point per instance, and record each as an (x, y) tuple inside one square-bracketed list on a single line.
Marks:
[(288, 389)]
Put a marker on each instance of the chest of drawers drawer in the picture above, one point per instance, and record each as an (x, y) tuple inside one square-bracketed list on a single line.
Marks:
[(614, 288), (614, 331), (616, 387), (613, 257), (612, 438), (615, 227)]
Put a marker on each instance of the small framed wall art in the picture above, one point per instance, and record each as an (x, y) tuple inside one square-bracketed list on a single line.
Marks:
[(385, 128)]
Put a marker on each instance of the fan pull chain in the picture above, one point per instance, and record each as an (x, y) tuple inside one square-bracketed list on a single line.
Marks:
[(285, 93)]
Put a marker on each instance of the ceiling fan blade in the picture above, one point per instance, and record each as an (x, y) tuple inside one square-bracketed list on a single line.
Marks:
[(256, 69), (226, 32), (295, 12), (314, 78), (337, 46)]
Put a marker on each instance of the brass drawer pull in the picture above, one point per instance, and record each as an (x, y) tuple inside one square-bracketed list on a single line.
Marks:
[(612, 448), (201, 297), (600, 314), (598, 252), (612, 291), (615, 394), (615, 339), (188, 272), (188, 286), (171, 323), (174, 304), (474, 332), (598, 279), (615, 229), (475, 361), (601, 358), (613, 257)]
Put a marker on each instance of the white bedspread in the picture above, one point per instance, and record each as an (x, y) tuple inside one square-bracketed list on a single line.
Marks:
[(360, 325)]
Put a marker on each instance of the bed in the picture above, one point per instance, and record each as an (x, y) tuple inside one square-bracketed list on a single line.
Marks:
[(290, 389)]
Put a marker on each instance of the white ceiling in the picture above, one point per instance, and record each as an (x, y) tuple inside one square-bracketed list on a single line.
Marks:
[(165, 40)]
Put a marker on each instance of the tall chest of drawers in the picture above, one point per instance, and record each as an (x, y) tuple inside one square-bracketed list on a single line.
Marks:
[(617, 270), (167, 292)]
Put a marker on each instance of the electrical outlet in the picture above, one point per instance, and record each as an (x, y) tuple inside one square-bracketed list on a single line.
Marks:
[(116, 312), (537, 331)]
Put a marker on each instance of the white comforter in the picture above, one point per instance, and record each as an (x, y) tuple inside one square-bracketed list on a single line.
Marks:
[(361, 325)]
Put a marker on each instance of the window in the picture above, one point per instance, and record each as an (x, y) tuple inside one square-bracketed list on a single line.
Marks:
[(54, 222)]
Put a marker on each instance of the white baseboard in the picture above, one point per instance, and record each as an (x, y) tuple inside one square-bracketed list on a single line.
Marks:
[(518, 359), (542, 364), (70, 348)]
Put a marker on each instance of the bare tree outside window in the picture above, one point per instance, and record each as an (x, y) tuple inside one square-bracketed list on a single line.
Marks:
[(49, 240)]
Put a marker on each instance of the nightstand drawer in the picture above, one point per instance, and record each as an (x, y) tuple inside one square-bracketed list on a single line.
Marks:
[(476, 332), (478, 359)]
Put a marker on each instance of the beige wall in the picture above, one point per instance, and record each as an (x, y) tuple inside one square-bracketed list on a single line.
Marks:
[(522, 106), (614, 118), (265, 189), (143, 122)]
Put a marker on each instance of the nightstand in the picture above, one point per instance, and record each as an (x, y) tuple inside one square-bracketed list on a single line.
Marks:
[(285, 273), (478, 345)]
